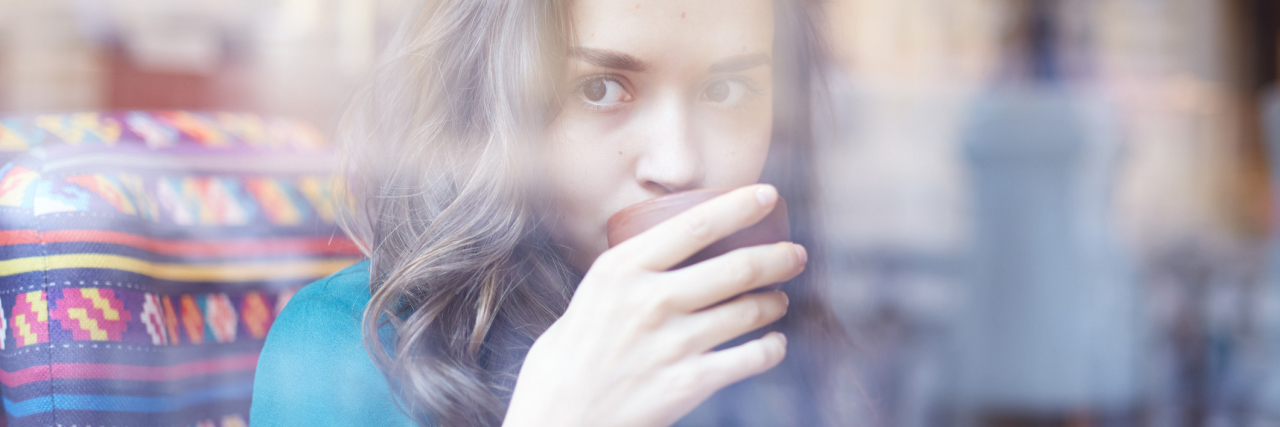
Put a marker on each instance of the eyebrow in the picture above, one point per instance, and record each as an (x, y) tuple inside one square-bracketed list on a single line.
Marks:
[(610, 59), (621, 61)]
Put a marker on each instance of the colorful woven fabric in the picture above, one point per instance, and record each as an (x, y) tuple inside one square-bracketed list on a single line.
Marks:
[(144, 256), (154, 129)]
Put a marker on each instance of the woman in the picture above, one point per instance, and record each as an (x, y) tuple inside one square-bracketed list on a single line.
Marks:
[(492, 145)]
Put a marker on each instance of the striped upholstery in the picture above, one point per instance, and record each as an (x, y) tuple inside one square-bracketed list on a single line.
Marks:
[(143, 257)]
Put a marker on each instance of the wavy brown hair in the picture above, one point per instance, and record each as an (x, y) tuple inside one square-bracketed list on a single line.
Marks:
[(464, 274)]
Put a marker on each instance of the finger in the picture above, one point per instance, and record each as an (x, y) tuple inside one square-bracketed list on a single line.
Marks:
[(719, 369), (717, 325), (742, 270), (676, 239)]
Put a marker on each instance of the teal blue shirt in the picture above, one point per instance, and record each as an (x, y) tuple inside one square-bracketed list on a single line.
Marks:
[(314, 369)]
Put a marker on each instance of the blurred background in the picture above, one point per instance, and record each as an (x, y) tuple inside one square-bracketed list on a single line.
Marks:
[(1040, 212)]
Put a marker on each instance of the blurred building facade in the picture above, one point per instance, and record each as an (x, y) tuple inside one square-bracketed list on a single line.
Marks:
[(297, 58)]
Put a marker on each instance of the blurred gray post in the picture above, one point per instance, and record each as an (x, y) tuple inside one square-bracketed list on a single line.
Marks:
[(1049, 331), (1269, 404)]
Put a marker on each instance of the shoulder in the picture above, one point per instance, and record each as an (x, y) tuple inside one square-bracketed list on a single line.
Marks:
[(345, 292), (328, 310), (314, 368)]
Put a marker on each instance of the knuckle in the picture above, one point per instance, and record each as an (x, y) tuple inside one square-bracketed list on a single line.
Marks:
[(656, 310), (685, 347), (687, 382), (678, 349), (774, 303), (663, 303), (762, 359), (698, 228), (787, 251), (744, 272), (753, 313)]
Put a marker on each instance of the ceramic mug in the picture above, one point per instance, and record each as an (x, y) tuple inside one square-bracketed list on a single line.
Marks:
[(639, 217)]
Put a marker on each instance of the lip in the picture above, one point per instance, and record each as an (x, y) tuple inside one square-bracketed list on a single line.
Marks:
[(637, 218)]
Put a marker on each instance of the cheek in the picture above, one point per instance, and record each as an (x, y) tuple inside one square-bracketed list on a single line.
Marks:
[(740, 147), (580, 159), (583, 172)]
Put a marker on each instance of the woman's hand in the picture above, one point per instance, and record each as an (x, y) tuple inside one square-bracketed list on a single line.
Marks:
[(634, 345)]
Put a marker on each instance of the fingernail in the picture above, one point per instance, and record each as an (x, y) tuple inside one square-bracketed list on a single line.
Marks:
[(766, 195), (801, 254), (786, 300), (782, 337)]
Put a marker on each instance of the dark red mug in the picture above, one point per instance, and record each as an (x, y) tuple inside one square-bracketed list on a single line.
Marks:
[(637, 218)]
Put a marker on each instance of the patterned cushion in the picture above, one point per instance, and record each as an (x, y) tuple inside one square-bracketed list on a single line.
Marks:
[(143, 257)]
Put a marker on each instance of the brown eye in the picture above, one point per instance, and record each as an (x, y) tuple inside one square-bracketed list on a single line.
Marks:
[(595, 90), (717, 92), (603, 92), (726, 92)]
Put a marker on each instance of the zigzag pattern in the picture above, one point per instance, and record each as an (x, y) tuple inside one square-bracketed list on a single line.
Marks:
[(144, 290), (92, 314), (30, 318)]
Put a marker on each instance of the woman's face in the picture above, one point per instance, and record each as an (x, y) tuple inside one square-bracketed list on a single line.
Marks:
[(664, 96)]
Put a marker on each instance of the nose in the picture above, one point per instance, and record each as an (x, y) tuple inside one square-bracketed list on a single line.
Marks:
[(670, 160)]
